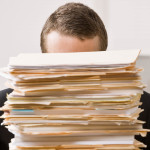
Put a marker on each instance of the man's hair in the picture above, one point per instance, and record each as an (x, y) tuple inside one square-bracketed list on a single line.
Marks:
[(78, 20)]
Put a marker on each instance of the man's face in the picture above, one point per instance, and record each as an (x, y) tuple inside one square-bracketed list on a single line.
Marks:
[(58, 43)]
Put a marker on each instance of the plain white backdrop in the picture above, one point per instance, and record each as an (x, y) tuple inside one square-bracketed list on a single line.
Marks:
[(126, 21)]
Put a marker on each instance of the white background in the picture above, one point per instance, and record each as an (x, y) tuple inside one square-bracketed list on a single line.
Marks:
[(127, 23)]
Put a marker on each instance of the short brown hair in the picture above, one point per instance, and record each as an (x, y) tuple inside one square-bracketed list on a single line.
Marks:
[(75, 19)]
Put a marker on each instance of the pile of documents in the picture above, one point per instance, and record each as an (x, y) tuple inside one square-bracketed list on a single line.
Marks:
[(77, 101)]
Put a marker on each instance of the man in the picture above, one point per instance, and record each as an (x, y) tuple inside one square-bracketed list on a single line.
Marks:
[(75, 27)]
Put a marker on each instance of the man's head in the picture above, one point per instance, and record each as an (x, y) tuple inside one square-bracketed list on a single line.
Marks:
[(73, 27)]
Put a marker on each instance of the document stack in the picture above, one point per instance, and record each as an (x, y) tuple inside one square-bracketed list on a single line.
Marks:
[(74, 101)]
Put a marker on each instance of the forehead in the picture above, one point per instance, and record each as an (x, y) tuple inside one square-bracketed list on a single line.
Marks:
[(59, 43)]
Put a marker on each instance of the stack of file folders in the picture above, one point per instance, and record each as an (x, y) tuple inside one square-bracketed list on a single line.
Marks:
[(77, 101)]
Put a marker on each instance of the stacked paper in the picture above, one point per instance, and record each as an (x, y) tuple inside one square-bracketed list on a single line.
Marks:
[(86, 100)]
